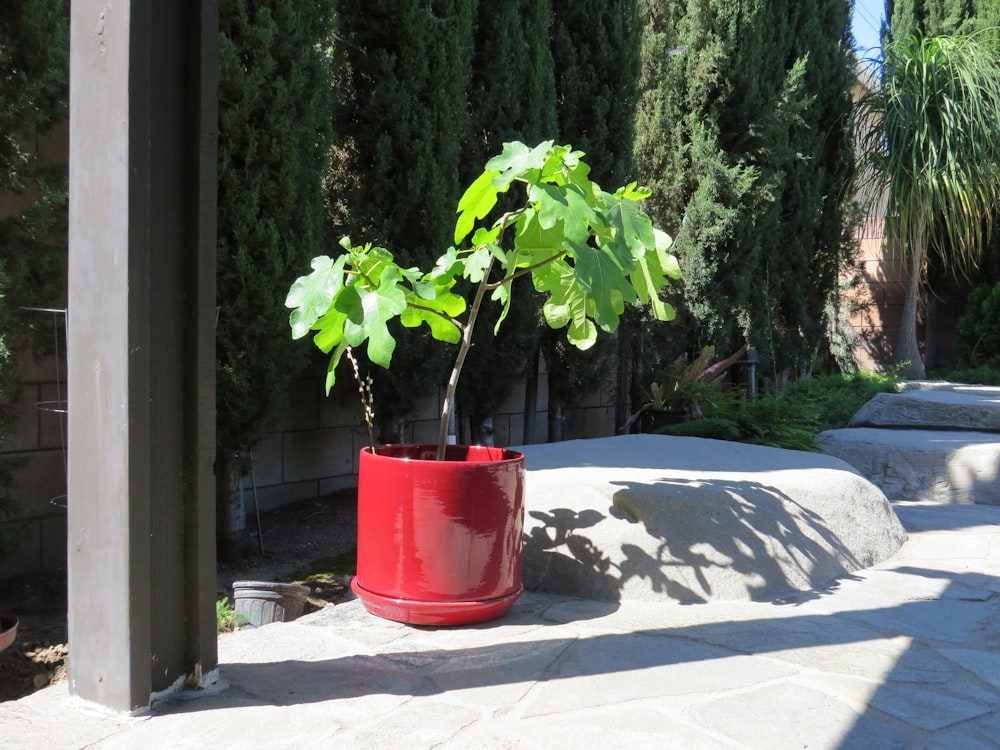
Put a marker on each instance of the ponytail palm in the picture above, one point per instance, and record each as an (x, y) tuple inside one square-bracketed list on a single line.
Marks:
[(930, 138)]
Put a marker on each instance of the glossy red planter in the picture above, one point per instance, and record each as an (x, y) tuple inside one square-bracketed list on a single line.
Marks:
[(439, 542)]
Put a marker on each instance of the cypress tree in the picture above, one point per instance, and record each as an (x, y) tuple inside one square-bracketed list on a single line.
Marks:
[(935, 17), (714, 188), (512, 94), (758, 161), (661, 156), (403, 68), (511, 97), (34, 86), (811, 243), (274, 135), (903, 17), (664, 160), (596, 52)]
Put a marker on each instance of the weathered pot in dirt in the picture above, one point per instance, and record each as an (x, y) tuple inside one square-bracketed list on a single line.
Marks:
[(261, 602), (439, 542), (8, 630)]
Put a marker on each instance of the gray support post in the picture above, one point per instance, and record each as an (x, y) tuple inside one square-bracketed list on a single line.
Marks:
[(143, 123)]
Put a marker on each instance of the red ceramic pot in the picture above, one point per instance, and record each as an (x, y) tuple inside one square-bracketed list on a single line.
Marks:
[(439, 542)]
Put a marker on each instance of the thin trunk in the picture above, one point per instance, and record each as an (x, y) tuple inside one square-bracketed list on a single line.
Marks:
[(232, 539), (463, 349), (557, 420), (530, 401), (482, 431), (908, 349), (623, 374)]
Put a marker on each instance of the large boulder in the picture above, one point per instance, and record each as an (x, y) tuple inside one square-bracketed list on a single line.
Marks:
[(932, 441), (939, 466), (934, 405), (654, 517)]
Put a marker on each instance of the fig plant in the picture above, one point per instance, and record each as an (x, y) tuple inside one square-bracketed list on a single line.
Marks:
[(588, 251)]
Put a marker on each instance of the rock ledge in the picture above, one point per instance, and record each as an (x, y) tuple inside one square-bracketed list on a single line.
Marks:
[(655, 517)]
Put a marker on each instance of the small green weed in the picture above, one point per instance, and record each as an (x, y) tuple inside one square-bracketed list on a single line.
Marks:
[(227, 619)]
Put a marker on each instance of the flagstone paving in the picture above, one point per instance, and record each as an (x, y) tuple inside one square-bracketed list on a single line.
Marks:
[(903, 655)]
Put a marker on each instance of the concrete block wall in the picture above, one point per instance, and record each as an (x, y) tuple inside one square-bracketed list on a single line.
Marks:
[(315, 449), (36, 453)]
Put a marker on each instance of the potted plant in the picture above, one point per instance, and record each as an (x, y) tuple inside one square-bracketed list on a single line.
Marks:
[(686, 385), (439, 526)]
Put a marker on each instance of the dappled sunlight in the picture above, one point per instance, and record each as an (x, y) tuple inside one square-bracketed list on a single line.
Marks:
[(979, 478), (719, 539)]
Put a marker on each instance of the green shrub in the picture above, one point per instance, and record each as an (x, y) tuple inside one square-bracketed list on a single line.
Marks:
[(974, 375), (979, 329), (790, 417)]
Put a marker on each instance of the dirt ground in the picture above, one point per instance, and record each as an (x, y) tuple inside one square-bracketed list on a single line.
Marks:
[(310, 542)]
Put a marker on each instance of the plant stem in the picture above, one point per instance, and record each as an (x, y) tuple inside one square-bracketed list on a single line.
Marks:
[(463, 350), (525, 271)]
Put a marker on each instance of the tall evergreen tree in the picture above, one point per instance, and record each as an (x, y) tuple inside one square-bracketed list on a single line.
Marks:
[(403, 69), (811, 238), (936, 17), (661, 157), (512, 90), (595, 47), (754, 98), (274, 135), (511, 97), (34, 84), (596, 51)]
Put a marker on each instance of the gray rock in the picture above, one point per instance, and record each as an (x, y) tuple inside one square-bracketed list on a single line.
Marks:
[(934, 405), (941, 466), (655, 517)]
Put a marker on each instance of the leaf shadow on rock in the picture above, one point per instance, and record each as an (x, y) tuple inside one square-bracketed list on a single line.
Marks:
[(559, 551), (689, 541)]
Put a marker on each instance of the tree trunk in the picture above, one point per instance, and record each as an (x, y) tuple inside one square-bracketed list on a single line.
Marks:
[(530, 401), (908, 349), (557, 420), (482, 430), (625, 373), (231, 536)]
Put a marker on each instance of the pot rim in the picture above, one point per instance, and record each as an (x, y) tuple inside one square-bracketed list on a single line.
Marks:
[(270, 585), (506, 455)]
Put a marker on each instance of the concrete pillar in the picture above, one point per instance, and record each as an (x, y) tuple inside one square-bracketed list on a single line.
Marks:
[(143, 113)]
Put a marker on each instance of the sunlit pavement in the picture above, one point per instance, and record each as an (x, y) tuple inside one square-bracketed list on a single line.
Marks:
[(902, 655)]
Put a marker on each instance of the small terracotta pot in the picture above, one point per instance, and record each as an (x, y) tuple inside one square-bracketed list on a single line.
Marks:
[(8, 630), (439, 542)]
